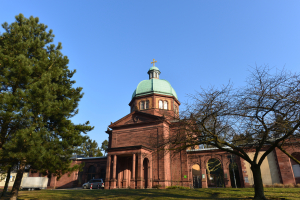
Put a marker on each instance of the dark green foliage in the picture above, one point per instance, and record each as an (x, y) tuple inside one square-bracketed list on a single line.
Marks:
[(158, 186), (178, 187), (37, 99), (104, 146), (90, 149)]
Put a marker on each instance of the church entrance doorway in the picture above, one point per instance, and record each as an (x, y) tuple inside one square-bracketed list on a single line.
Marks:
[(196, 176), (145, 166), (124, 165), (215, 175)]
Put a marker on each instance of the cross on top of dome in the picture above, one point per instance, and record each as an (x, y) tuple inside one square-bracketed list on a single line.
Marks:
[(153, 62)]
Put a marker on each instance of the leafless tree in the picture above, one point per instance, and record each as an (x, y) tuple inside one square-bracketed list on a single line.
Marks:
[(262, 116)]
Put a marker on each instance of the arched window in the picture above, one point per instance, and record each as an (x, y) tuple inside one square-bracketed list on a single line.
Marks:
[(154, 75), (160, 104), (157, 75), (150, 75), (166, 105), (142, 105), (147, 104)]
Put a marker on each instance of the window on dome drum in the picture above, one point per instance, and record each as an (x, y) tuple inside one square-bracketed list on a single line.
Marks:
[(142, 103), (166, 105), (147, 104), (150, 75), (160, 104)]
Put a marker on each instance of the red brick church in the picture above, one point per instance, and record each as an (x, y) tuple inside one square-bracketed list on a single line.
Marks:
[(133, 162)]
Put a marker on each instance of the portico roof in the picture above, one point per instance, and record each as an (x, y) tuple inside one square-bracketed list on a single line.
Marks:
[(137, 117)]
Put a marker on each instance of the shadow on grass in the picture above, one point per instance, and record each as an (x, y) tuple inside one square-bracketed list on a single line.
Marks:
[(178, 194), (128, 194), (118, 194)]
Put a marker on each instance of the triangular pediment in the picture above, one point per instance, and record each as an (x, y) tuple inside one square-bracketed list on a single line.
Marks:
[(136, 117)]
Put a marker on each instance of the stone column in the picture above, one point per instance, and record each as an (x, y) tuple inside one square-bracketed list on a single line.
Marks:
[(125, 174), (226, 162), (203, 173), (140, 172), (107, 178), (114, 180), (204, 180), (132, 184), (149, 183), (227, 177), (119, 175)]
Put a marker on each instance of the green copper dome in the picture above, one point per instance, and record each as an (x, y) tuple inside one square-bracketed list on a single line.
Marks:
[(153, 68), (159, 86)]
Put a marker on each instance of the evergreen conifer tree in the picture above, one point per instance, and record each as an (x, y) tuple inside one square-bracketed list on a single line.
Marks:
[(37, 100), (90, 149), (104, 146)]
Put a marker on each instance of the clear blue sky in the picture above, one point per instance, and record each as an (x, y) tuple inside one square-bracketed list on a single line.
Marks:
[(196, 44)]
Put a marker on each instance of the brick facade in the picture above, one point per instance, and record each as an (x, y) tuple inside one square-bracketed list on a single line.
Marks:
[(134, 162)]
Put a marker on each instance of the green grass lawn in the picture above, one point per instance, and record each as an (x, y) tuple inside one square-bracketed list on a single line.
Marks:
[(218, 193)]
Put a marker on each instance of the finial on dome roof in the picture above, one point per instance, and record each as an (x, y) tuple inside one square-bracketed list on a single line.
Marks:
[(153, 62)]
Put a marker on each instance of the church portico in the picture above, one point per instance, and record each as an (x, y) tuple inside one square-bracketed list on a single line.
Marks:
[(128, 168)]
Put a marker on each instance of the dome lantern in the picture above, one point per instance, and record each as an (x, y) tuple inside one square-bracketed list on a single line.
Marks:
[(154, 71)]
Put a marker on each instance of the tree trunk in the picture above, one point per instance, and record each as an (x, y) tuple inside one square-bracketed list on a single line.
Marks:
[(6, 182), (17, 183), (258, 184)]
